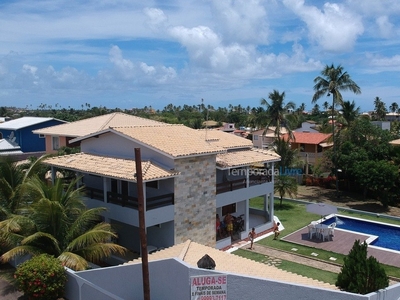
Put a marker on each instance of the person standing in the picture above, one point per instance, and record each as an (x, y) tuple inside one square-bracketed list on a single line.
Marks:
[(252, 235), (276, 230), (228, 220)]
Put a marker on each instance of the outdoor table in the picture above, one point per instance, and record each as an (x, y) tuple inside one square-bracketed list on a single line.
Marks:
[(320, 230)]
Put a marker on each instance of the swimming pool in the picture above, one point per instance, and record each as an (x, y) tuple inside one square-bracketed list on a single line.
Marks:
[(388, 235)]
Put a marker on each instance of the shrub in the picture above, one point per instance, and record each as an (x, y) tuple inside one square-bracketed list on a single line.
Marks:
[(41, 277), (360, 274)]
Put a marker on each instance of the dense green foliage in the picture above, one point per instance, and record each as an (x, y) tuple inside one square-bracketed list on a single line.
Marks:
[(360, 274), (41, 277), (38, 217)]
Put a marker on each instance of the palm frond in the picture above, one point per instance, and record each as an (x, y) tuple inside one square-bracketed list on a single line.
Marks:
[(73, 261)]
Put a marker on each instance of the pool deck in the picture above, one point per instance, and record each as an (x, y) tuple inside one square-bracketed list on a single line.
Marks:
[(342, 243)]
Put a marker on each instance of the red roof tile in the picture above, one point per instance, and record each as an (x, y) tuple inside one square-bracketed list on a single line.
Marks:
[(313, 138)]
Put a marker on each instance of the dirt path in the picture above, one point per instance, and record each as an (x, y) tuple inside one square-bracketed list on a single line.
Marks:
[(346, 199)]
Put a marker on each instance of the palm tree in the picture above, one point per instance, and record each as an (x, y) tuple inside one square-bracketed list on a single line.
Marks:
[(394, 107), (333, 80), (289, 157), (350, 112), (57, 222), (277, 112), (13, 175), (380, 109), (285, 185)]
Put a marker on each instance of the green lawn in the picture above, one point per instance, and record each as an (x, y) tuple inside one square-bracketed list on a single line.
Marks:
[(294, 216), (310, 272)]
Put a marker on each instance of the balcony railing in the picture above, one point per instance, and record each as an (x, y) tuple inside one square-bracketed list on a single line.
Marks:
[(130, 201), (233, 185)]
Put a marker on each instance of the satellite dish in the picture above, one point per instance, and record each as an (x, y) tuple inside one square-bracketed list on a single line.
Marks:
[(11, 135), (13, 139)]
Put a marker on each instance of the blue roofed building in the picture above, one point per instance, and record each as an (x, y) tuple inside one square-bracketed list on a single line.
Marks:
[(18, 132)]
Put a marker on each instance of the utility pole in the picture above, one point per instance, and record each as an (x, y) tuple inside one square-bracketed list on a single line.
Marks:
[(142, 226)]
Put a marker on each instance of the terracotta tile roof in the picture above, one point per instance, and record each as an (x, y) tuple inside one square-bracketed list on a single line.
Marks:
[(190, 252), (175, 140), (102, 165), (245, 157), (91, 125), (313, 138), (224, 139)]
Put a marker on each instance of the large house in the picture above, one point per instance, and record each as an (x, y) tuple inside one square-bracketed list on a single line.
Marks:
[(189, 176), (61, 135), (19, 136)]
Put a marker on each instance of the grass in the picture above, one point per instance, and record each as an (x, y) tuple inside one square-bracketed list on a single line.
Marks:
[(294, 217), (310, 272)]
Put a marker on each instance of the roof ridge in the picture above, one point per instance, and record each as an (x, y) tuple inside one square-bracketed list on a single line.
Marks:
[(185, 249), (112, 116)]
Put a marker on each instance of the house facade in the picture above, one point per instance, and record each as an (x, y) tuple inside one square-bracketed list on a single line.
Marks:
[(264, 138), (189, 176), (311, 145), (19, 133)]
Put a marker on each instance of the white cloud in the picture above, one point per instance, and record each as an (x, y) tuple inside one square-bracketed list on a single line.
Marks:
[(385, 27), (156, 18), (334, 28), (380, 64), (131, 73), (242, 21)]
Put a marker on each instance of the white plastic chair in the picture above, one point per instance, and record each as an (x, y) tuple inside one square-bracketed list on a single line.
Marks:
[(332, 229), (326, 233), (311, 230)]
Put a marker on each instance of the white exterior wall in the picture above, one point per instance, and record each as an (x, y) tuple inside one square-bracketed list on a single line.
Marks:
[(125, 282)]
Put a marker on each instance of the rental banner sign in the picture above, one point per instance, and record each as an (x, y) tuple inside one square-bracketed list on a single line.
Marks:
[(209, 287)]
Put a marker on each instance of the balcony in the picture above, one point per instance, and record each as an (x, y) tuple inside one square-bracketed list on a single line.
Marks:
[(130, 201), (237, 184)]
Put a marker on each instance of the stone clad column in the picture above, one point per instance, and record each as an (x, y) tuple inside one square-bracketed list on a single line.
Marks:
[(195, 200)]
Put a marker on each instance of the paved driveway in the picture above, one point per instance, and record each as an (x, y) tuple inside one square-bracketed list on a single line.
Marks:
[(8, 292)]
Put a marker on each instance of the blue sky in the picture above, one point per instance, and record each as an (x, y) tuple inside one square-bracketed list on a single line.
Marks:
[(128, 53)]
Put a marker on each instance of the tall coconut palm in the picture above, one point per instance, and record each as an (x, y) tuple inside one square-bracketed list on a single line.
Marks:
[(277, 112), (285, 185), (332, 81), (57, 222)]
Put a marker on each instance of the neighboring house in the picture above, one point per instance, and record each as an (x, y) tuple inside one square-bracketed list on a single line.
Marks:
[(9, 148), (173, 273), (189, 176), (19, 132), (228, 127), (384, 125), (307, 126), (59, 136), (264, 138), (391, 116), (311, 145)]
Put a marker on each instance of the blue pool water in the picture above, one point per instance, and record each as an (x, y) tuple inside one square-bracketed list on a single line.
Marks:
[(388, 236)]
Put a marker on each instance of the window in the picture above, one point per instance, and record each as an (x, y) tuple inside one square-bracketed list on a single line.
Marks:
[(56, 142), (231, 208), (255, 137)]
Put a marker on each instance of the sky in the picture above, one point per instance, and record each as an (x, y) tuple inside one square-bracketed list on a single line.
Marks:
[(131, 54)]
